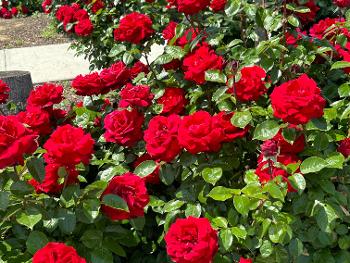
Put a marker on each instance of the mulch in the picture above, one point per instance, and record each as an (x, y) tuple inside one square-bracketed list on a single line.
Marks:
[(35, 30)]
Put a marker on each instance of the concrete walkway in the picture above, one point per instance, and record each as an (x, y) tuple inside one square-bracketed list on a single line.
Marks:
[(45, 63)]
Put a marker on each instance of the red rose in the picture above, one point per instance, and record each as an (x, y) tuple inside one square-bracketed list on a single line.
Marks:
[(292, 38), (169, 31), (14, 11), (191, 240), (189, 7), (84, 28), (251, 84), (15, 141), (137, 68), (4, 3), (57, 253), (288, 148), (267, 171), (172, 65), (223, 120), (342, 3), (173, 101), (37, 119), (51, 183), (97, 6), (135, 96), (245, 260), (218, 5), (327, 28), (90, 84), (133, 190), (65, 14), (81, 14), (4, 92), (152, 178), (344, 147), (198, 133), (123, 127), (45, 96), (5, 13), (24, 9), (269, 148), (46, 5), (69, 145), (134, 28), (161, 137), (197, 63), (308, 16), (298, 101), (115, 76)]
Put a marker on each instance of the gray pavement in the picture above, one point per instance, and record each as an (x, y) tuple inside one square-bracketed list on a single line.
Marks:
[(45, 63)]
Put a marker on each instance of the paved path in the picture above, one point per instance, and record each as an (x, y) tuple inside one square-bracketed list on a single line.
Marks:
[(46, 63)]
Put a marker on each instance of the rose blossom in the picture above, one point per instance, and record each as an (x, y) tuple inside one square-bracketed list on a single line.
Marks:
[(267, 171), (173, 101), (115, 76), (161, 137), (132, 189), (57, 253), (218, 5), (90, 84), (123, 127), (223, 120), (84, 28), (137, 68), (199, 133), (134, 28), (46, 6), (45, 96), (139, 95), (191, 240), (4, 92), (51, 184), (15, 141), (298, 101), (251, 85), (197, 63), (342, 3), (69, 145), (344, 147), (37, 119), (245, 260), (189, 7)]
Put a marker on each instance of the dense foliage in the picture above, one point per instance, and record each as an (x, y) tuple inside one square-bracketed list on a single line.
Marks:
[(231, 146), (14, 8)]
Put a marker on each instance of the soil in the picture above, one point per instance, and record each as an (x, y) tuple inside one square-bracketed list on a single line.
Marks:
[(29, 31)]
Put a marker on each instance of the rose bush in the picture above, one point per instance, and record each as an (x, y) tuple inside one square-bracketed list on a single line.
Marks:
[(14, 8), (231, 146)]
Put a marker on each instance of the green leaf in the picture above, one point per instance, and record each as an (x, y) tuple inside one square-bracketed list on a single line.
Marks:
[(340, 65), (35, 241), (241, 119), (232, 7), (336, 161), (220, 222), (226, 238), (239, 232), (173, 205), (66, 220), (145, 168), (344, 242), (215, 76), (168, 173), (266, 249), (293, 21), (28, 220), (344, 90), (115, 201), (296, 247), (36, 168), (116, 50), (113, 246), (297, 181), (163, 59), (312, 165), (220, 193), (274, 190), (101, 255), (212, 175), (128, 58), (266, 130), (194, 210), (242, 204), (325, 216), (92, 238), (4, 200), (175, 52)]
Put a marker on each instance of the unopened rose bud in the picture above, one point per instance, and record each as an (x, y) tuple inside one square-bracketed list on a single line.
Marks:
[(269, 148)]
